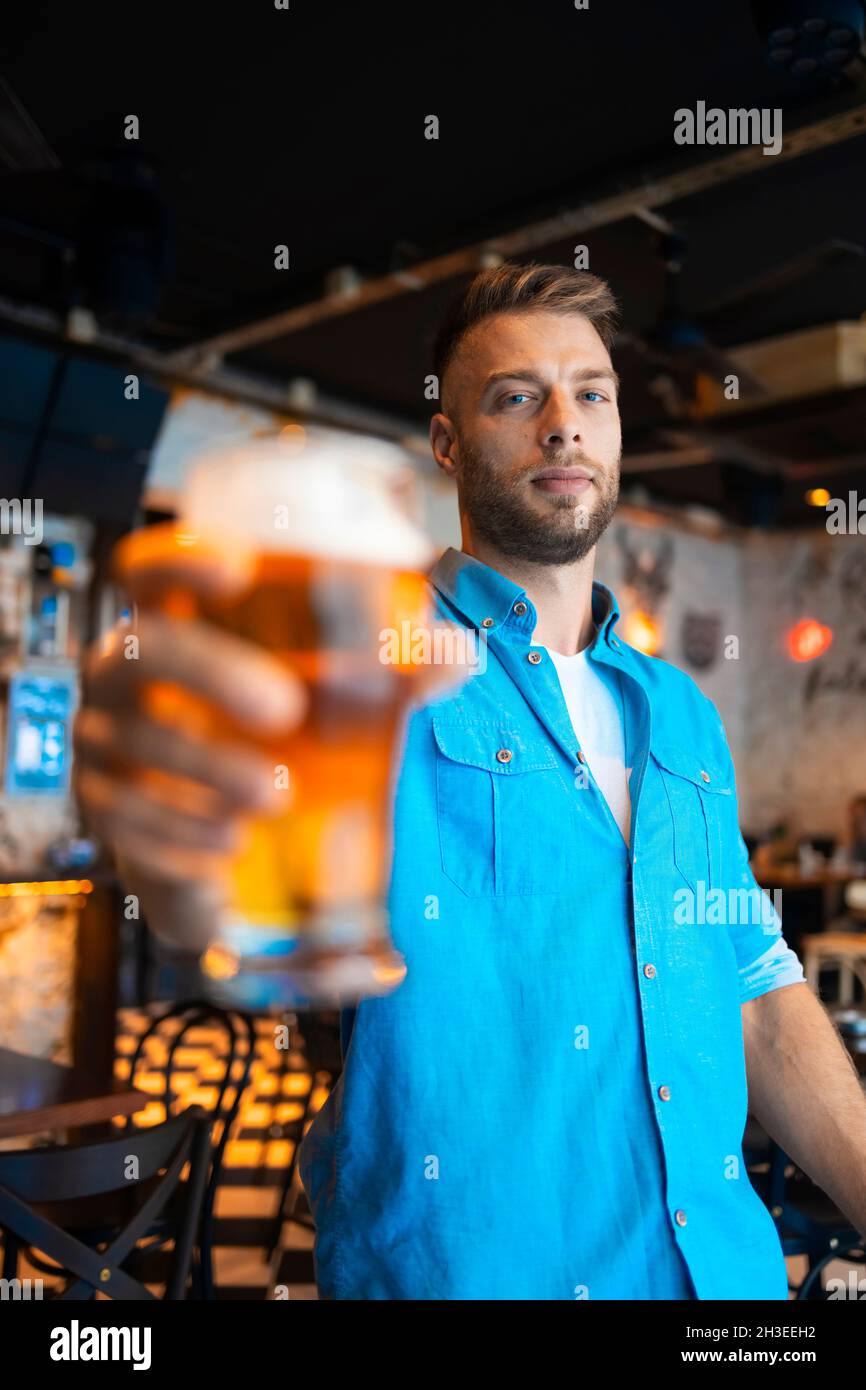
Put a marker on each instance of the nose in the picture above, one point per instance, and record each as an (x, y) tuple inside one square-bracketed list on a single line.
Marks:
[(560, 424)]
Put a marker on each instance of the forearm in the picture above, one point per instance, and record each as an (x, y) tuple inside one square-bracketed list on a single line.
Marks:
[(804, 1090)]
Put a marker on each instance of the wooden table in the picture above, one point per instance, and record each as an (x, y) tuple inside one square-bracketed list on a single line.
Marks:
[(36, 1095)]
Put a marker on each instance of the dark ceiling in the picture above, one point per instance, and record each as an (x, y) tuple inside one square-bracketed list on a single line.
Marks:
[(305, 126)]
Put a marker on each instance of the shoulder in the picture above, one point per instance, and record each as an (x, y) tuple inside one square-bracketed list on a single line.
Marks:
[(680, 709), (656, 674)]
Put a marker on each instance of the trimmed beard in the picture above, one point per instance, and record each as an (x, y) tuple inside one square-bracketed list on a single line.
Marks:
[(497, 513)]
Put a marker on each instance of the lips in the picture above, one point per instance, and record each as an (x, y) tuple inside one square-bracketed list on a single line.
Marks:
[(562, 480)]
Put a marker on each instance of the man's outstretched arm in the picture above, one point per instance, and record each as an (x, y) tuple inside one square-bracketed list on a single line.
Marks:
[(805, 1091)]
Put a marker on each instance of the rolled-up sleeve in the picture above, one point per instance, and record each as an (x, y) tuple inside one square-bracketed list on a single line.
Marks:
[(765, 961), (776, 967)]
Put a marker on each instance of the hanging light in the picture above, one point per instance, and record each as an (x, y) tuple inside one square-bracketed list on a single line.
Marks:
[(642, 631), (808, 639), (817, 497)]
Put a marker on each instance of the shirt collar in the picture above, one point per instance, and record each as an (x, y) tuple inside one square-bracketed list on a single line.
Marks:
[(486, 599)]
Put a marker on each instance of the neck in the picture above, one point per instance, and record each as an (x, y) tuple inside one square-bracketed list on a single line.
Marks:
[(560, 594)]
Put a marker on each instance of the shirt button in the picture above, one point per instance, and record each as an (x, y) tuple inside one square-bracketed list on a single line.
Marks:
[(504, 755), (680, 1217), (534, 657), (486, 622), (581, 756), (520, 608), (649, 971), (664, 1092), (705, 775)]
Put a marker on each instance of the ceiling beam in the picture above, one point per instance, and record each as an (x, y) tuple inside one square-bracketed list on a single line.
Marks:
[(636, 201), (221, 381)]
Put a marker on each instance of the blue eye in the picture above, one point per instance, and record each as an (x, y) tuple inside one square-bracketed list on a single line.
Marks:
[(512, 394), (593, 393)]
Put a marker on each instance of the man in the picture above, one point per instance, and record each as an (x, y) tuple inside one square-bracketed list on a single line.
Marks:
[(552, 1105)]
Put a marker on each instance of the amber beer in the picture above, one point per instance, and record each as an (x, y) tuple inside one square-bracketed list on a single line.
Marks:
[(305, 919)]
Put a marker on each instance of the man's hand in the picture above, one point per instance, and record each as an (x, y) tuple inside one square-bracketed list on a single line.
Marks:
[(167, 800)]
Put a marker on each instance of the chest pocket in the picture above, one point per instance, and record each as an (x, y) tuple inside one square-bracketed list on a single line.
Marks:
[(698, 796), (503, 809)]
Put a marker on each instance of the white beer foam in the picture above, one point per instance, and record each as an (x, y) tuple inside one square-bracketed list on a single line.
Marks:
[(325, 496)]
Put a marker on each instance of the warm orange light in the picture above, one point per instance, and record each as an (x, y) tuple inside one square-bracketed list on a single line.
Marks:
[(219, 963), (293, 433), (642, 631), (50, 889), (808, 639), (817, 497)]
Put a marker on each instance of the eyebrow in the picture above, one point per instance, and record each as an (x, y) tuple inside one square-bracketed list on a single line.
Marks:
[(580, 375)]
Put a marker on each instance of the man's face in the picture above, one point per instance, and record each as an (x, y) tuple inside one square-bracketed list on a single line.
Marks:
[(532, 404)]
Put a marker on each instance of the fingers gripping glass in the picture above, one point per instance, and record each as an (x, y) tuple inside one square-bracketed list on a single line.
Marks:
[(330, 562)]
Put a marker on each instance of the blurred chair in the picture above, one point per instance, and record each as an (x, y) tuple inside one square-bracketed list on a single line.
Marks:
[(823, 844), (844, 952), (323, 1057), (853, 919), (842, 947), (63, 1202), (239, 1030)]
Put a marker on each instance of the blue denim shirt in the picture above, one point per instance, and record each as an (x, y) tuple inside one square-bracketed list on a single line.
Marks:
[(552, 1104)]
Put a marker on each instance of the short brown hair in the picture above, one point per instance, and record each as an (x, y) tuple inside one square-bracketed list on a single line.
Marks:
[(515, 288)]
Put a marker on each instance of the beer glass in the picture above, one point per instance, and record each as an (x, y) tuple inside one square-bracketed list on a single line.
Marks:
[(334, 567)]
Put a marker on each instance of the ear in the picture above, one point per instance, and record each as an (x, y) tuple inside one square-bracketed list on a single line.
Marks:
[(443, 442)]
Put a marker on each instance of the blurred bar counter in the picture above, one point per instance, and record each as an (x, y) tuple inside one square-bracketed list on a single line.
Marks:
[(58, 967)]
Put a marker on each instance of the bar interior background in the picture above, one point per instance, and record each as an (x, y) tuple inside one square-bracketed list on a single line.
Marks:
[(153, 258)]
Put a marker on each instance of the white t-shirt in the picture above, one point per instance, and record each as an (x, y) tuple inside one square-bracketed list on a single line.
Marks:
[(598, 718)]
